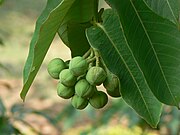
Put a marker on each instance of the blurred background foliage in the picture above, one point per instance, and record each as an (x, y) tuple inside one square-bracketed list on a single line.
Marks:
[(44, 112)]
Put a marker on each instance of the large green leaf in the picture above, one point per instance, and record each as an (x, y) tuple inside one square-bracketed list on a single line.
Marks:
[(46, 28), (166, 8), (155, 44), (82, 11), (72, 31), (108, 38), (78, 43), (73, 35)]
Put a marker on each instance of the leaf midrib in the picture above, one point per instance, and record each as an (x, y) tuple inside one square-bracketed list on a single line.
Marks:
[(42, 25), (31, 65), (153, 51), (100, 26), (171, 10), (37, 40)]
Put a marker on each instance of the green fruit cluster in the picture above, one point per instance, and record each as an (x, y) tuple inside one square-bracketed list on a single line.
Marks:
[(78, 79), (55, 66), (112, 85)]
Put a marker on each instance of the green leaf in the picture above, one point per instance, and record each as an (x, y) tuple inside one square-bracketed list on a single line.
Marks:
[(72, 31), (46, 28), (73, 35), (77, 38), (154, 42), (167, 8), (108, 38), (81, 11)]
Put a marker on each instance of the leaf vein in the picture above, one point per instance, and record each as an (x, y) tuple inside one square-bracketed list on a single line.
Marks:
[(153, 50)]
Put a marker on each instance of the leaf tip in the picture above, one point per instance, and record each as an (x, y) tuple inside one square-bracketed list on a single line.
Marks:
[(22, 96)]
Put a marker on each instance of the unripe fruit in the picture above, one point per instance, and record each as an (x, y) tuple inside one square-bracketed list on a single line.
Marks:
[(65, 92), (98, 100), (112, 85), (55, 66), (96, 75), (67, 78), (84, 89), (78, 65), (79, 102)]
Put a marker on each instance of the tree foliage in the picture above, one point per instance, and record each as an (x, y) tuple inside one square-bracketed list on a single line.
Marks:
[(137, 40)]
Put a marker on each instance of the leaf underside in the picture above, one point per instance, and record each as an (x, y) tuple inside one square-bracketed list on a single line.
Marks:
[(166, 8), (72, 30), (46, 27), (108, 38), (155, 44)]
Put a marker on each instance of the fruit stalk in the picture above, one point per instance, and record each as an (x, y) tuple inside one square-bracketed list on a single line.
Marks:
[(97, 57), (87, 54)]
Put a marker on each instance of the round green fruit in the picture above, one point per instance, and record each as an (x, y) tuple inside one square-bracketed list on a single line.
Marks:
[(112, 85), (79, 102), (114, 93), (96, 75), (65, 92), (98, 100), (55, 66), (84, 89), (78, 65), (67, 78)]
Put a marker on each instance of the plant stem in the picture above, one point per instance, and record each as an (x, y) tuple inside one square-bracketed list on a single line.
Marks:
[(91, 54), (90, 64), (87, 54), (97, 57), (91, 60)]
